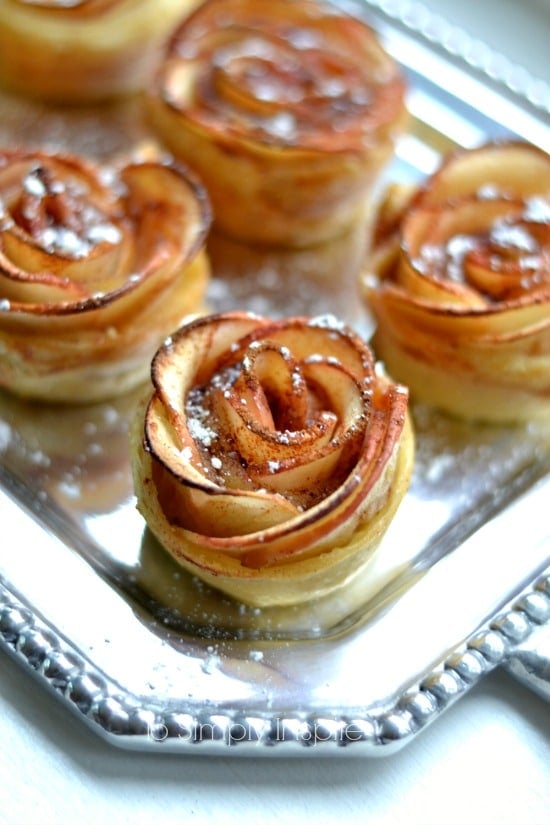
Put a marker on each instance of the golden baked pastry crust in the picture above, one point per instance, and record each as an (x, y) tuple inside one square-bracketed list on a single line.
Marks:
[(458, 279), (272, 455), (287, 110)]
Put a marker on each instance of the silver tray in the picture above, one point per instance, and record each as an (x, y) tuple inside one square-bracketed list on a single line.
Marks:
[(150, 658)]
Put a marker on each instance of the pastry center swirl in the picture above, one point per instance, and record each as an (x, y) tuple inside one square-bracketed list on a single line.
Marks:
[(264, 79), (59, 215), (498, 247), (271, 421)]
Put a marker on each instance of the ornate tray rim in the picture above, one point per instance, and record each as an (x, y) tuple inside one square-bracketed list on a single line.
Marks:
[(124, 720), (493, 68)]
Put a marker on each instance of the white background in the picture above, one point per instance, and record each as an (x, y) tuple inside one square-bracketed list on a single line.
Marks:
[(485, 761)]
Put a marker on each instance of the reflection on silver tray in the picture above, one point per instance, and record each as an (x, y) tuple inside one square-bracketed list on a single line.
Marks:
[(150, 657)]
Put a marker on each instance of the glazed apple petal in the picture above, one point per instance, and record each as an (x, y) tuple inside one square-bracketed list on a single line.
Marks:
[(325, 337), (332, 521), (161, 205), (506, 168), (255, 443), (246, 65), (190, 493), (508, 281), (304, 472), (188, 496), (96, 260), (271, 383), (192, 357), (423, 318), (347, 396), (512, 353), (222, 514), (444, 250), (37, 275)]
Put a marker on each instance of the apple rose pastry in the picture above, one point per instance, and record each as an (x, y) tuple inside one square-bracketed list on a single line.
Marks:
[(97, 265), (272, 455), (72, 51), (287, 110), (458, 279)]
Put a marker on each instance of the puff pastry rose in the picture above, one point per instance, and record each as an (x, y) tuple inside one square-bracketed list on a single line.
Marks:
[(272, 455), (97, 264), (72, 51), (461, 286), (287, 110)]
